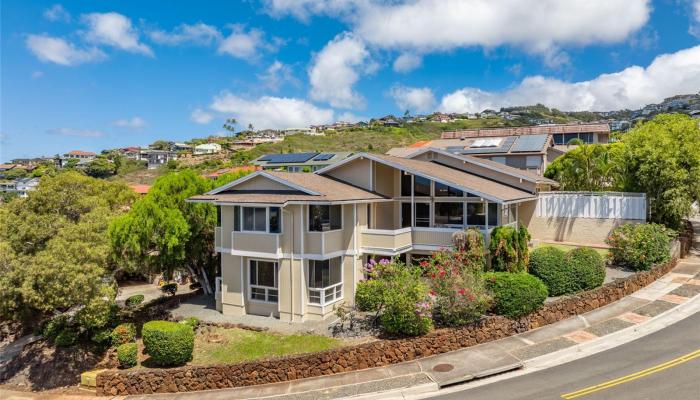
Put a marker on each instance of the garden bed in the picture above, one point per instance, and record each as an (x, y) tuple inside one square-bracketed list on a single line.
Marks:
[(374, 354)]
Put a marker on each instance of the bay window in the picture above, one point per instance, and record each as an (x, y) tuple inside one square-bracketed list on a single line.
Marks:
[(449, 214), (325, 281), (324, 218), (263, 281)]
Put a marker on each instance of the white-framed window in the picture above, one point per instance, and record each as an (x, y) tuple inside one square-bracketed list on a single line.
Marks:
[(257, 219), (325, 281), (262, 278)]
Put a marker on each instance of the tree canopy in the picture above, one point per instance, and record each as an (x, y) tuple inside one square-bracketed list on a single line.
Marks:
[(54, 250)]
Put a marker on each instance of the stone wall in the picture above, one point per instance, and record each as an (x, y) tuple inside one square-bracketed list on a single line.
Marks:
[(375, 354)]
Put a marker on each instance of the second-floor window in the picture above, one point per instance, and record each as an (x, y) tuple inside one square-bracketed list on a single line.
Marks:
[(257, 219), (325, 218)]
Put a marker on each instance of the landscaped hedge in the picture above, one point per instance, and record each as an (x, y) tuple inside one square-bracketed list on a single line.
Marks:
[(168, 343), (67, 337), (134, 300), (169, 288), (549, 264), (192, 322), (587, 266), (368, 296), (515, 294), (123, 333), (53, 327), (639, 246), (508, 248), (127, 354)]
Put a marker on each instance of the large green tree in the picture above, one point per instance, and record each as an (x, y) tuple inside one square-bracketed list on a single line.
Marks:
[(663, 160), (54, 248), (163, 232)]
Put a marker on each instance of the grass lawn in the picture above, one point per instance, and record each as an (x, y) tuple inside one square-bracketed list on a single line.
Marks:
[(565, 247), (242, 345)]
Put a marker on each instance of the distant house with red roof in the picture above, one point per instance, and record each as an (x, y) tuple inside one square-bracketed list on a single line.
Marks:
[(80, 155), (140, 189)]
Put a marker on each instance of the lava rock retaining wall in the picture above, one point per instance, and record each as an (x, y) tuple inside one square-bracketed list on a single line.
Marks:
[(369, 355)]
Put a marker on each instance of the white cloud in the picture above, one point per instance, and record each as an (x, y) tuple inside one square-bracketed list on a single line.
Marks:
[(57, 50), (114, 29), (245, 45), (695, 22), (37, 74), (277, 75), (633, 87), (407, 62), (198, 34), (336, 68), (76, 132), (414, 99), (133, 123), (424, 26), (201, 117), (271, 112), (57, 13)]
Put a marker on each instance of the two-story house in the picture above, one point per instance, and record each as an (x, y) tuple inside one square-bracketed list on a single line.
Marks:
[(293, 245)]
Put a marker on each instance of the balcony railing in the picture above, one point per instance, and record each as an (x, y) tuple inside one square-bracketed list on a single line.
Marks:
[(325, 296), (391, 242)]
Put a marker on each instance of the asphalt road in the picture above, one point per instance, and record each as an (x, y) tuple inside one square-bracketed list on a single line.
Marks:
[(664, 365)]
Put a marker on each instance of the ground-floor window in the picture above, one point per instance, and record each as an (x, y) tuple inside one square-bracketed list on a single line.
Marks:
[(325, 281), (263, 281)]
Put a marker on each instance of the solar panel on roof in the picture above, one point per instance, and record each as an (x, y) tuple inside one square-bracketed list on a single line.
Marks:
[(324, 157), (529, 143), (502, 148), (290, 158)]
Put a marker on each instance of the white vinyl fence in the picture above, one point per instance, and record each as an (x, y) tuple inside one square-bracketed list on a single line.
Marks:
[(601, 205)]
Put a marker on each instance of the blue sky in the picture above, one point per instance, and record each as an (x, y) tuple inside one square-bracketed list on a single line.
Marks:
[(92, 75)]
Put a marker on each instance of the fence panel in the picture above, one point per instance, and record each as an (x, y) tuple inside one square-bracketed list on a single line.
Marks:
[(603, 205)]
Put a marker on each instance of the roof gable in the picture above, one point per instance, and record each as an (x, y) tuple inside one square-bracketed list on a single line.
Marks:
[(266, 182)]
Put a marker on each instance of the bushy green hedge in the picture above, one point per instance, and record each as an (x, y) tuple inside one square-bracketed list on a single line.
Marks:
[(563, 273), (127, 354), (549, 264), (588, 267), (123, 333), (168, 343), (67, 337), (192, 322), (53, 327), (515, 294), (640, 246), (368, 295), (169, 288), (134, 300), (102, 336)]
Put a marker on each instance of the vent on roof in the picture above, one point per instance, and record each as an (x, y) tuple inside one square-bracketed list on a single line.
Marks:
[(324, 157), (288, 158)]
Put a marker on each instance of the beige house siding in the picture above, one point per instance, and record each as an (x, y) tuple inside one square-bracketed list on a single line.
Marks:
[(261, 183), (355, 172)]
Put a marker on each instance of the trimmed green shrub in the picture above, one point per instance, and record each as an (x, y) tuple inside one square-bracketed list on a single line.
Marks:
[(192, 322), (368, 295), (168, 343), (640, 246), (66, 338), (123, 333), (54, 326), (127, 354), (102, 336), (134, 300), (515, 294), (549, 264), (169, 288), (508, 248), (469, 248), (588, 267)]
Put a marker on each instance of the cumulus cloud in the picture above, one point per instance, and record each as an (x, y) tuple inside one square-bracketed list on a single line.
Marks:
[(132, 123), (695, 21), (114, 29), (245, 45), (57, 13), (407, 62), (424, 26), (277, 75), (198, 34), (59, 51), (633, 87), (75, 132), (201, 117), (336, 68), (271, 112), (412, 98)]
